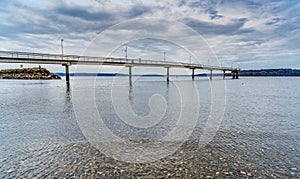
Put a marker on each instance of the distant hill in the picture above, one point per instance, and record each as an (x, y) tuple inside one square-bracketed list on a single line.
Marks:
[(271, 72), (87, 74)]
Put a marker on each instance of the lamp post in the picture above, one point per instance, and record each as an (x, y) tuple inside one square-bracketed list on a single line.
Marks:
[(164, 56), (125, 50), (66, 65), (190, 59), (62, 48)]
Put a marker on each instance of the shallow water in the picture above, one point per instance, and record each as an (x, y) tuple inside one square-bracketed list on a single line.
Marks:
[(43, 135)]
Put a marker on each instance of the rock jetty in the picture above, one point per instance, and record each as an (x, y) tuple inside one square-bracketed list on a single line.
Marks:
[(36, 73)]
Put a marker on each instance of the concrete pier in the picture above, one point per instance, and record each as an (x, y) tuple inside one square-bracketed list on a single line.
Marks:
[(68, 60)]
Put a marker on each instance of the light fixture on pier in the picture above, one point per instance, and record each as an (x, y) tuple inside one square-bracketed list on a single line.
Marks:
[(62, 48), (125, 50)]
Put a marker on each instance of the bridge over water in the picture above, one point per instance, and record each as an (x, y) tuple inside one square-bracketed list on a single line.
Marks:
[(68, 60)]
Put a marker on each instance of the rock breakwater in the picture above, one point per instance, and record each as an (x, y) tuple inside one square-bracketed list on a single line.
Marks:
[(36, 73)]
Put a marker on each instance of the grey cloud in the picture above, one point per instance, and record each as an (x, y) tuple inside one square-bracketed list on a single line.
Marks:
[(102, 2), (204, 3), (151, 25), (274, 21), (83, 13), (182, 3), (136, 11), (249, 4), (104, 14), (150, 44), (61, 18), (252, 41), (208, 6), (217, 29), (214, 14)]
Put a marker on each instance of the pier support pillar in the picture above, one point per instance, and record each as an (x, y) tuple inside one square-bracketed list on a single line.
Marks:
[(193, 74), (237, 75), (234, 75), (224, 74), (130, 75), (168, 74), (67, 73), (210, 76)]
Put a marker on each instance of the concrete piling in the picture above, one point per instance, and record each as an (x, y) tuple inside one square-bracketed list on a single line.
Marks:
[(168, 74), (193, 74), (67, 73)]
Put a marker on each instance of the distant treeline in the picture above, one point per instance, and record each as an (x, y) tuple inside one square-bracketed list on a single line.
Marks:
[(261, 72), (42, 73), (270, 72)]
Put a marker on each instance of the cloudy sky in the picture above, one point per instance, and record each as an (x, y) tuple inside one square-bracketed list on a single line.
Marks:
[(244, 33)]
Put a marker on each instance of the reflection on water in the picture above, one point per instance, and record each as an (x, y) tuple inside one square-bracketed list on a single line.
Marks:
[(259, 135)]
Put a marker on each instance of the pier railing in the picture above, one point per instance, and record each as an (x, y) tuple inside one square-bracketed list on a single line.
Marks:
[(76, 59)]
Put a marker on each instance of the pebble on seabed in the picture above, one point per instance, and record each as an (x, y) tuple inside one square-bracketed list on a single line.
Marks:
[(10, 171), (242, 172)]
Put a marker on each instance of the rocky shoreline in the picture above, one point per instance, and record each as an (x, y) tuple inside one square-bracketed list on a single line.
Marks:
[(36, 73)]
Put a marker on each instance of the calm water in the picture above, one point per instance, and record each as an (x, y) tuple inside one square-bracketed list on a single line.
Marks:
[(259, 134)]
